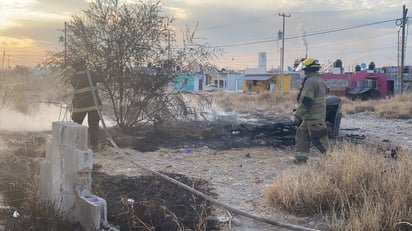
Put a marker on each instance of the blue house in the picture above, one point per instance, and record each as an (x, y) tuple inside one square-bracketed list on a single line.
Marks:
[(189, 82)]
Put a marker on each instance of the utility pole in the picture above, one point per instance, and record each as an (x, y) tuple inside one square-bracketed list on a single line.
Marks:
[(63, 39), (65, 42), (402, 23), (2, 63), (8, 62), (282, 52), (398, 63)]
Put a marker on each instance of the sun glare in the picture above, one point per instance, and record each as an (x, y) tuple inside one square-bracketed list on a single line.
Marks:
[(11, 9), (16, 42), (9, 4), (178, 12)]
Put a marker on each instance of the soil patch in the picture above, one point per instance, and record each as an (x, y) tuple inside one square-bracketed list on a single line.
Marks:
[(152, 203)]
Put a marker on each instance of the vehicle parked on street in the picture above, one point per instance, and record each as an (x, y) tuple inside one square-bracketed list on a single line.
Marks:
[(211, 87)]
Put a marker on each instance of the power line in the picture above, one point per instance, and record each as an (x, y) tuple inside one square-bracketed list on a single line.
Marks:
[(238, 22), (341, 29), (307, 34)]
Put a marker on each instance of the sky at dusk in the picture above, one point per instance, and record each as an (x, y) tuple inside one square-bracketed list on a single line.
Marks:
[(355, 31)]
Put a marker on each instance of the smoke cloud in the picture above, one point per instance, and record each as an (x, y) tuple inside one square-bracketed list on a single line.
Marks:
[(39, 120), (302, 32)]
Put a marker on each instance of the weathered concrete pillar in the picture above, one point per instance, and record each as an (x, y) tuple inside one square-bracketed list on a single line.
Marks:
[(65, 177)]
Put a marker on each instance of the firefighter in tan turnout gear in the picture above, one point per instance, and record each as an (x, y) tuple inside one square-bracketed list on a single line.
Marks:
[(311, 112), (83, 102)]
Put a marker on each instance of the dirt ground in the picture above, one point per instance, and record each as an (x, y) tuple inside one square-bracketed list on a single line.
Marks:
[(230, 162)]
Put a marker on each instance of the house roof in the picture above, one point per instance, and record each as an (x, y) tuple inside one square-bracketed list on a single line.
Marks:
[(358, 90)]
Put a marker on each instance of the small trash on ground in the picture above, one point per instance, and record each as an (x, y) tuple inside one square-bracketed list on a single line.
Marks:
[(223, 219), (16, 214)]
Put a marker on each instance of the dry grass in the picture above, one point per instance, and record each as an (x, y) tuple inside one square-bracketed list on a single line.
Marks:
[(398, 107), (246, 103), (354, 188), (21, 187)]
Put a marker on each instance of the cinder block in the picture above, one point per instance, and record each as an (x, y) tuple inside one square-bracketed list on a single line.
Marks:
[(67, 202), (49, 184), (65, 177), (70, 134), (75, 160), (93, 212), (84, 160), (45, 180), (52, 152), (77, 168)]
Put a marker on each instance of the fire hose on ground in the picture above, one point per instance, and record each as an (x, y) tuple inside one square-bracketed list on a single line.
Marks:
[(184, 186)]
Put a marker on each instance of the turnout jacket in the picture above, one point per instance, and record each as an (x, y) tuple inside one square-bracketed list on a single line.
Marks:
[(311, 98), (83, 98)]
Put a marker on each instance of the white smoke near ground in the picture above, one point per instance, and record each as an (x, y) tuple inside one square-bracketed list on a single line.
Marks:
[(40, 119)]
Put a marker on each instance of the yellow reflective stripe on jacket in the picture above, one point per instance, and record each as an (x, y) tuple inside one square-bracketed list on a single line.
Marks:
[(84, 109), (81, 90), (319, 99)]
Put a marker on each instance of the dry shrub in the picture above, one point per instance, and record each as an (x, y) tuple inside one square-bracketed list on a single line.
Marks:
[(25, 96), (246, 103), (355, 188), (20, 188), (16, 192)]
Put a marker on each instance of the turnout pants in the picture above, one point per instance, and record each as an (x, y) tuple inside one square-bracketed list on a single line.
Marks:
[(311, 131), (93, 121)]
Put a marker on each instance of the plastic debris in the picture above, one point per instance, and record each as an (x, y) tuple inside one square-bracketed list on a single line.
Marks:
[(223, 219), (16, 214)]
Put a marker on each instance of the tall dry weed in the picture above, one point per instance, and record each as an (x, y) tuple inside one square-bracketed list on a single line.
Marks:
[(6, 93), (246, 103), (397, 107), (355, 187)]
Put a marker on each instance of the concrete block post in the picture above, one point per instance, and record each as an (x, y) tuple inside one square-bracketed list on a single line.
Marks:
[(65, 177)]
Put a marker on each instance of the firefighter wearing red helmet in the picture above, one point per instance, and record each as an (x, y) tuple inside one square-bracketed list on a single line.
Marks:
[(311, 112), (83, 102)]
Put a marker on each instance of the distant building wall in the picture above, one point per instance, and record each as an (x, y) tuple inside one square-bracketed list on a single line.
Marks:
[(189, 82), (262, 60), (234, 82), (286, 82)]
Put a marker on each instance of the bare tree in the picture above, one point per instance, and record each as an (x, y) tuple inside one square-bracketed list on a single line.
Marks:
[(134, 47)]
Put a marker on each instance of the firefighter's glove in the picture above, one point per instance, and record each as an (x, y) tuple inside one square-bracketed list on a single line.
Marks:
[(296, 120)]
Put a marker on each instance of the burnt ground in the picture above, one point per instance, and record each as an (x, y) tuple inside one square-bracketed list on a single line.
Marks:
[(145, 202), (221, 134), (135, 203)]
